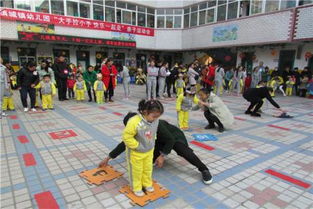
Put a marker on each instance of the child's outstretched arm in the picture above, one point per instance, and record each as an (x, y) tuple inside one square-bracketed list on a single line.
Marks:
[(54, 91), (74, 87)]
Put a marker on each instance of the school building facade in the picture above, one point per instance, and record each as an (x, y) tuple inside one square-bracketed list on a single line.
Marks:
[(278, 33)]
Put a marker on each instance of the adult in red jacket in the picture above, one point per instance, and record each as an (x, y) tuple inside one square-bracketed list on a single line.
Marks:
[(209, 79), (109, 74)]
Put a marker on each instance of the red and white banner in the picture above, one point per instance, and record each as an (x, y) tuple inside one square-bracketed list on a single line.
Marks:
[(37, 17)]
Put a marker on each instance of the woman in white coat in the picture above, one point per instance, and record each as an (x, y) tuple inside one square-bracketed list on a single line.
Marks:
[(163, 73), (192, 74), (215, 111)]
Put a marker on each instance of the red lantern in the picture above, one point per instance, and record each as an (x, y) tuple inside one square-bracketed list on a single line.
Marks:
[(227, 58), (308, 55), (242, 55)]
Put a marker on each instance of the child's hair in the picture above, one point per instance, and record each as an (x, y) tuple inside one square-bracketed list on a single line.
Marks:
[(206, 90), (261, 82), (99, 75), (79, 77), (150, 106), (46, 76)]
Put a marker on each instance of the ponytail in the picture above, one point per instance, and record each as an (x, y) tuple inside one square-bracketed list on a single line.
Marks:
[(150, 106)]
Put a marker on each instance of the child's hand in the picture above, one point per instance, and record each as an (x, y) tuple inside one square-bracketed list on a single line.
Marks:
[(104, 162)]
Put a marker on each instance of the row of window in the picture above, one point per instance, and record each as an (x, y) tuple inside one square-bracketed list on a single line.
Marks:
[(129, 13)]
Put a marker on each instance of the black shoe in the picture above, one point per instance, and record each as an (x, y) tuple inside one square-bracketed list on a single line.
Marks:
[(248, 112), (65, 98), (61, 100), (209, 127), (255, 114), (221, 129), (207, 177), (89, 100)]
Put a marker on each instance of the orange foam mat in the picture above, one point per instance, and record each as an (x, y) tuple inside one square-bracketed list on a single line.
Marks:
[(98, 176), (159, 192)]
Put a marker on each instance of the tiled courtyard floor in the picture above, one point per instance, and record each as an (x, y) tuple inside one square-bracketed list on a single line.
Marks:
[(261, 163)]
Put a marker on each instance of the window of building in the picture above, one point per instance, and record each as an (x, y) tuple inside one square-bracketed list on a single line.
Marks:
[(57, 7), (42, 6), (221, 12), (210, 15), (186, 21), (84, 10), (287, 4), (131, 6), (134, 18), (127, 17), (121, 4), (220, 2), (178, 11), (256, 6), (271, 6), (212, 3), (99, 2), (97, 12), (110, 3), (160, 11), (177, 21), (141, 9), (160, 21), (232, 10), (23, 4), (72, 8), (194, 8), (150, 21), (203, 5), (150, 10), (141, 19), (303, 2), (118, 15), (202, 17), (169, 11), (194, 19), (109, 14), (7, 3), (169, 22)]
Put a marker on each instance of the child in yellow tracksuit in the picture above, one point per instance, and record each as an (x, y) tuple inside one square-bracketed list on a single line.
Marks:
[(183, 106), (80, 88), (277, 82), (289, 86), (139, 137), (180, 85), (99, 88), (48, 90), (8, 103)]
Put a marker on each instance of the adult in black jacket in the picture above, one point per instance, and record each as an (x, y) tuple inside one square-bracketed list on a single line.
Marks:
[(27, 79), (61, 72), (169, 138), (255, 96), (170, 80)]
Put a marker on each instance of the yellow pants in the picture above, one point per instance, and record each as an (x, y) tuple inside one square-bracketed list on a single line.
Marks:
[(99, 97), (289, 91), (37, 98), (221, 90), (179, 91), (47, 101), (183, 119), (140, 166), (8, 103), (80, 95)]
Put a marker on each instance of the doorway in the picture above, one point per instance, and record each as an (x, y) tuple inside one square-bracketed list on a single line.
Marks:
[(286, 59), (83, 59), (247, 61), (310, 64), (25, 55)]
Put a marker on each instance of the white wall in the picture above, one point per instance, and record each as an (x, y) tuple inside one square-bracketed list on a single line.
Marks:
[(270, 60), (253, 30)]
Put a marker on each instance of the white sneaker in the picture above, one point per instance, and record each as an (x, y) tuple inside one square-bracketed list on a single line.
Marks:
[(149, 189), (25, 109), (3, 114), (139, 193), (34, 110)]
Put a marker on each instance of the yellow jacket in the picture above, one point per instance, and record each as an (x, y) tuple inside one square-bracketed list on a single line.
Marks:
[(139, 135), (84, 87), (47, 87), (184, 103), (99, 88)]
